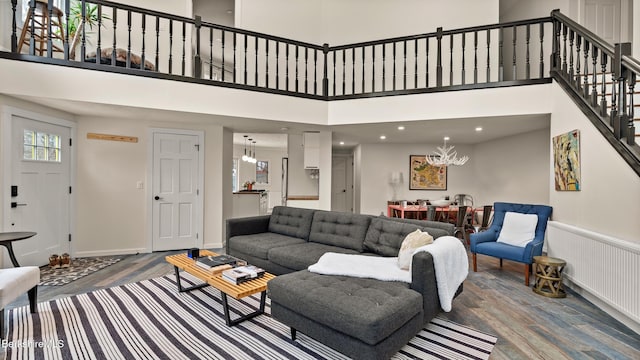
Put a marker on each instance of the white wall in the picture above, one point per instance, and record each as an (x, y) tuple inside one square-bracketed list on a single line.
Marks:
[(495, 172), (112, 212), (512, 169), (340, 22), (608, 200)]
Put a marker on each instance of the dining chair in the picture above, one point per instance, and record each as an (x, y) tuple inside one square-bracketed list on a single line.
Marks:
[(431, 212), (487, 215), (462, 226)]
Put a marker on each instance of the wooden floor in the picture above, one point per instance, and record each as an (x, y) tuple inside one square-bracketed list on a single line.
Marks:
[(494, 300)]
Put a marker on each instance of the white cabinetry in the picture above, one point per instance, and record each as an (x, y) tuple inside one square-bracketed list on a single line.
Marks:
[(311, 142)]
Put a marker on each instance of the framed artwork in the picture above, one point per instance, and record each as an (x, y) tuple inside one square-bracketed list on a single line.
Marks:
[(262, 172), (423, 176), (566, 161)]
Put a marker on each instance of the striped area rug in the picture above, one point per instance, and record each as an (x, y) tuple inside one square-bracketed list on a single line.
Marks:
[(151, 320)]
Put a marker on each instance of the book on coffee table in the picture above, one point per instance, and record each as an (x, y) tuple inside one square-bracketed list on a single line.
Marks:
[(219, 262), (241, 274)]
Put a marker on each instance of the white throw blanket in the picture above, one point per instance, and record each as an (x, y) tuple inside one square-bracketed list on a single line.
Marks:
[(449, 260)]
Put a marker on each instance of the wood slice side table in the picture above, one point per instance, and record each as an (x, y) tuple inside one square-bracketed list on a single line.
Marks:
[(548, 276)]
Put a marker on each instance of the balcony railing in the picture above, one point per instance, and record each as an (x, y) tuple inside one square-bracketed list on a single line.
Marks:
[(113, 37)]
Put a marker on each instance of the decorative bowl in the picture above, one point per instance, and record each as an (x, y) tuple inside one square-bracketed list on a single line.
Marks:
[(441, 202)]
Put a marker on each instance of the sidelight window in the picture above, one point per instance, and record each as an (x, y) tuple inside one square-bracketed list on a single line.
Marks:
[(41, 146)]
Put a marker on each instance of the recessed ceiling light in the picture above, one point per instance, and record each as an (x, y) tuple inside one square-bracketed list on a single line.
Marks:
[(446, 138), (284, 128), (479, 128), (382, 137), (400, 127), (341, 142), (229, 11)]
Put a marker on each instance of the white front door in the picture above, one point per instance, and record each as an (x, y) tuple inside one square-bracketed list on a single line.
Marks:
[(41, 177), (176, 209)]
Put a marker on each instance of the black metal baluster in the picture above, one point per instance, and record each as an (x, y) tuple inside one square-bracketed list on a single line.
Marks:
[(170, 46), (571, 75), (14, 29), (578, 78), (614, 100), (384, 51), (325, 70), (49, 34), (210, 53), (353, 70), (297, 61), (527, 70), (83, 43), (32, 24), (306, 70), (426, 63), (184, 49), (344, 76), (66, 30), (541, 50), (128, 62), (475, 57), (114, 20), (488, 56), (450, 59), (404, 81), (373, 68), (585, 49), (564, 49), (500, 54), (287, 68), (99, 46), (415, 70), (631, 131), (256, 61), (277, 65), (334, 73), (463, 70), (394, 66), (266, 63), (222, 39), (594, 88), (315, 71), (157, 43), (603, 91), (245, 57), (363, 62), (514, 68)]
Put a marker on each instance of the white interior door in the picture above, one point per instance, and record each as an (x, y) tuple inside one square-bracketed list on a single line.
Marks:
[(41, 174), (603, 17), (341, 184), (176, 209)]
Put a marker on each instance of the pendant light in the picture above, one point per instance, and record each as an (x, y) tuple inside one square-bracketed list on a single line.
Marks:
[(245, 157), (253, 159)]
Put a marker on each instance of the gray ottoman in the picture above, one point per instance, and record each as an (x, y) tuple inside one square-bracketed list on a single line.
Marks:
[(361, 318)]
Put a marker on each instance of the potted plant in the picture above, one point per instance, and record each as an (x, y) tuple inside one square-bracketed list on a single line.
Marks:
[(248, 185), (91, 17)]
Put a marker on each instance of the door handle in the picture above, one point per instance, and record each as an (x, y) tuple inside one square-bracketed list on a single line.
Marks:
[(15, 204), (157, 198)]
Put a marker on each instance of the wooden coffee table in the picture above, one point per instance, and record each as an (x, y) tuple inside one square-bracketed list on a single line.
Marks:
[(259, 285)]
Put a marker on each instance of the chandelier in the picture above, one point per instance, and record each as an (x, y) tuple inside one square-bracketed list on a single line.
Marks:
[(446, 156), (251, 158)]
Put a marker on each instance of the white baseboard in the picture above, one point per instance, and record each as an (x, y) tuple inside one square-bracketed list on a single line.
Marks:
[(626, 320), (110, 252), (213, 245)]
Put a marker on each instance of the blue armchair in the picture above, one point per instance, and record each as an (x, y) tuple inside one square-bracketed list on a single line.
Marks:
[(485, 242)]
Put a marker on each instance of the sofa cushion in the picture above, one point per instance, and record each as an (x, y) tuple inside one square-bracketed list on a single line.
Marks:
[(367, 309), (384, 237), (291, 221), (344, 230), (434, 228), (301, 256), (259, 245)]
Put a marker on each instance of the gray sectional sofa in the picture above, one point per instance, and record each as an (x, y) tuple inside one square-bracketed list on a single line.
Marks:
[(361, 318)]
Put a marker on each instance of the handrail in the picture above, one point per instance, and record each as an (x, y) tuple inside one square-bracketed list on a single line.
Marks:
[(595, 39), (148, 12)]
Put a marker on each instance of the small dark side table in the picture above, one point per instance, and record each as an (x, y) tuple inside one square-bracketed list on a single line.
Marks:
[(7, 238)]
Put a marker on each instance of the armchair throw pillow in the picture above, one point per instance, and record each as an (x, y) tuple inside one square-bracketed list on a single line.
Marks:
[(411, 242), (518, 229)]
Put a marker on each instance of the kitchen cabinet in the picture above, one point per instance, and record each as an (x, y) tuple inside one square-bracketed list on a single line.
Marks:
[(311, 143)]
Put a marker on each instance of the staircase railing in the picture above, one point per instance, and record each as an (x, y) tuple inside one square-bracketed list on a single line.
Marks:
[(601, 79), (128, 39)]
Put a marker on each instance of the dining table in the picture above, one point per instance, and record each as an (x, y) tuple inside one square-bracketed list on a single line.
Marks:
[(443, 213)]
